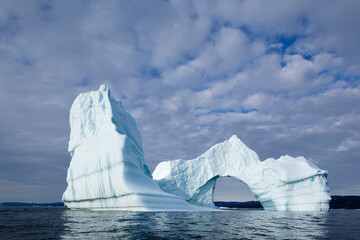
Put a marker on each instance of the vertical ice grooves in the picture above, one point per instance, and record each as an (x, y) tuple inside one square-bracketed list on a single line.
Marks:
[(107, 169)]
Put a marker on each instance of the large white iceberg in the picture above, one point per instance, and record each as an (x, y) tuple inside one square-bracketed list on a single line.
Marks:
[(107, 169), (293, 184)]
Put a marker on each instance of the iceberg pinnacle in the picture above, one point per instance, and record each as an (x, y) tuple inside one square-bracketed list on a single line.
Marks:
[(107, 169), (288, 183)]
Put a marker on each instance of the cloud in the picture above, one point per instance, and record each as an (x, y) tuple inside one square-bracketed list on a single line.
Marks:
[(347, 145), (282, 76), (228, 52)]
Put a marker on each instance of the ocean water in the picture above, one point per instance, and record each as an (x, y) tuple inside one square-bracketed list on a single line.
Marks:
[(61, 223)]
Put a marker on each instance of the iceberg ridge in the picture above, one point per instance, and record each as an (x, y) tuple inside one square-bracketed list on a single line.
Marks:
[(293, 184)]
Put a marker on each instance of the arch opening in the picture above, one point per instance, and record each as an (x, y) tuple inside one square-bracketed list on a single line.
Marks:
[(228, 189)]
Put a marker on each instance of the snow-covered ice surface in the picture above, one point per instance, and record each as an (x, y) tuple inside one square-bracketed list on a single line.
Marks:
[(287, 183), (107, 169)]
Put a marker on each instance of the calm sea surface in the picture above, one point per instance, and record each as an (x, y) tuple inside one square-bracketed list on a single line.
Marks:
[(59, 222)]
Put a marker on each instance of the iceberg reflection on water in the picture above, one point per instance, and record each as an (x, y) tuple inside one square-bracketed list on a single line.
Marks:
[(248, 224), (59, 222)]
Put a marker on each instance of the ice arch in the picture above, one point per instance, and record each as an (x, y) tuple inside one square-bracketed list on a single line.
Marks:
[(207, 191), (283, 184), (229, 189)]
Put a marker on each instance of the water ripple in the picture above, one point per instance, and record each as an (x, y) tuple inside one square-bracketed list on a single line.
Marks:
[(61, 223)]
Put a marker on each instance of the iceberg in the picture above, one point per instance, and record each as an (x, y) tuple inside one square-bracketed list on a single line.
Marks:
[(284, 184), (107, 169)]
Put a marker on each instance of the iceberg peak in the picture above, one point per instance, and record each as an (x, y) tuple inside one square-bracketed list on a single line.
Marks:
[(234, 138), (103, 88)]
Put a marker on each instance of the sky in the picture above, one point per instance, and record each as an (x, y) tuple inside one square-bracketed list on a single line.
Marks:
[(284, 76)]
